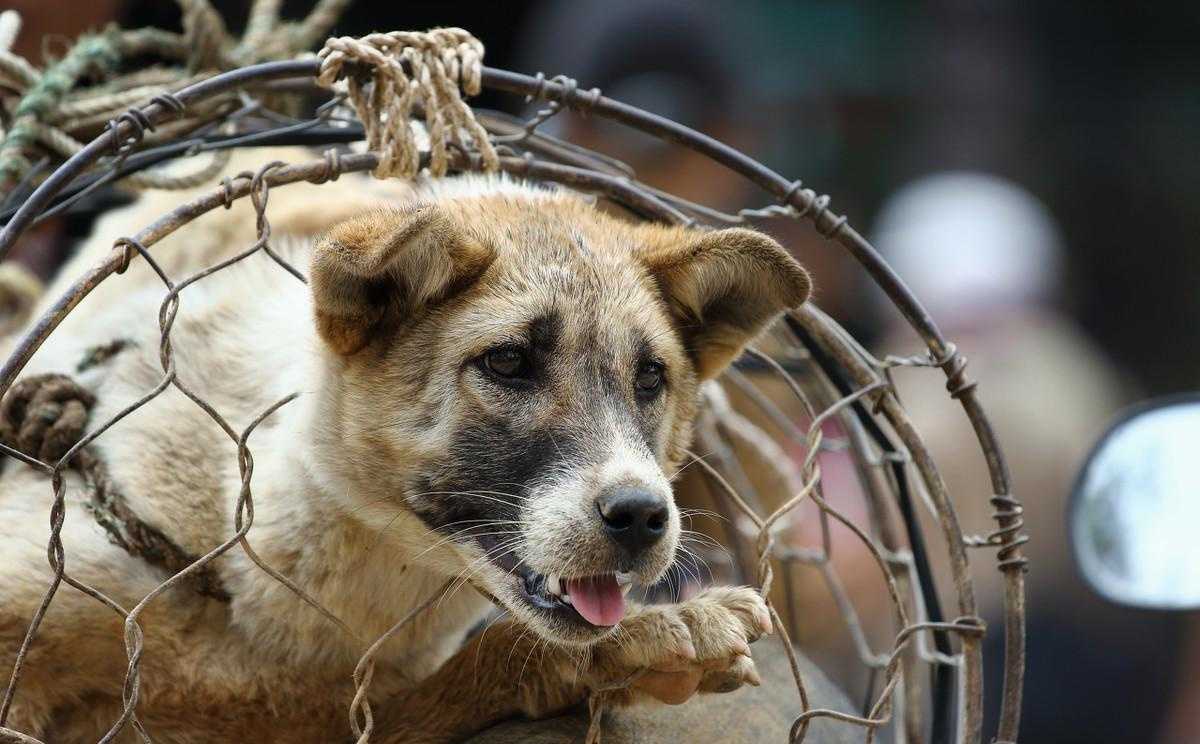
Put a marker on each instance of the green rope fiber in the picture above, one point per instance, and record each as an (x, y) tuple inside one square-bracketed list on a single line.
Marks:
[(53, 109), (91, 52)]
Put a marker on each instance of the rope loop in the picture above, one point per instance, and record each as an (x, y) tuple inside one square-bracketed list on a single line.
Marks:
[(388, 76)]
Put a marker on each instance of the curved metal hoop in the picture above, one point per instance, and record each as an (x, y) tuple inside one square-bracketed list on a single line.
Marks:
[(798, 201)]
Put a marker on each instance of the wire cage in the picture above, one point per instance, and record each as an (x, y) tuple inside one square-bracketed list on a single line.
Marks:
[(927, 685)]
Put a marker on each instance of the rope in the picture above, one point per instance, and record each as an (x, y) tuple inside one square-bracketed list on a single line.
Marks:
[(204, 27), (86, 108), (16, 71), (410, 69), (52, 115), (264, 16), (158, 179), (308, 32), (64, 144), (91, 52), (10, 26)]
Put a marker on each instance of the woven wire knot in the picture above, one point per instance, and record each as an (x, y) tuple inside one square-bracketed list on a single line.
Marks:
[(1008, 538), (582, 102), (955, 365), (131, 247), (333, 166), (139, 124), (387, 76), (971, 624), (171, 102), (815, 207)]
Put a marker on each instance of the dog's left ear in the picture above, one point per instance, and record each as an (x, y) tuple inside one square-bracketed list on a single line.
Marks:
[(724, 286)]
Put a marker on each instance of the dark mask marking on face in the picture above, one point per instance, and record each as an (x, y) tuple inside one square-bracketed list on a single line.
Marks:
[(488, 472)]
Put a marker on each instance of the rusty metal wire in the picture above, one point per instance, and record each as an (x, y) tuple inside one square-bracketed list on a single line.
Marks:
[(821, 367)]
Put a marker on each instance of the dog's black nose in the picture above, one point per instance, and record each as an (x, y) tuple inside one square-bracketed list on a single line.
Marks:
[(634, 517)]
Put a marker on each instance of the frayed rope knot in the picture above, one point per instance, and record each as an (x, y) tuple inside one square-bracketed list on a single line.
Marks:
[(388, 75)]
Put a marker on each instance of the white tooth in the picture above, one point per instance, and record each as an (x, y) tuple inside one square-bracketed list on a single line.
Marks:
[(552, 585), (566, 598), (625, 589), (624, 578)]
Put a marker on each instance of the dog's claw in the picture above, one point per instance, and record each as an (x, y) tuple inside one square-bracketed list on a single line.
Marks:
[(44, 416), (752, 677), (764, 621)]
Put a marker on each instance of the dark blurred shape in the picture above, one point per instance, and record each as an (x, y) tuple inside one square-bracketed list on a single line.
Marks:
[(984, 256), (673, 58)]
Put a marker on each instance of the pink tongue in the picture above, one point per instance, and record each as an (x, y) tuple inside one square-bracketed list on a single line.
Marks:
[(597, 598)]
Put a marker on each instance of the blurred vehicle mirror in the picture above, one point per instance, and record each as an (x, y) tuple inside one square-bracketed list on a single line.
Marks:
[(1134, 515)]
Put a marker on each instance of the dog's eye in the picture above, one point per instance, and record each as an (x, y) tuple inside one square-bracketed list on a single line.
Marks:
[(649, 378), (507, 362)]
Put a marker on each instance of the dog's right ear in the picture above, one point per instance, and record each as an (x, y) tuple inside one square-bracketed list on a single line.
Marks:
[(384, 265)]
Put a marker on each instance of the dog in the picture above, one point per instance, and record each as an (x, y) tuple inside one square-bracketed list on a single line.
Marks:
[(497, 383)]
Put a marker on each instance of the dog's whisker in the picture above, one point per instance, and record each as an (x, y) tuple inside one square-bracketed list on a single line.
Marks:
[(695, 459), (483, 635), (505, 494), (437, 530), (517, 644), (467, 531), (689, 513), (699, 562), (369, 503), (498, 551), (699, 538), (555, 443), (474, 566), (509, 500), (693, 572), (379, 534)]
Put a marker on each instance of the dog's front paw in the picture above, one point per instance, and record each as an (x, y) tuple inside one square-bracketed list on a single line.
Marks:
[(671, 652), (44, 416)]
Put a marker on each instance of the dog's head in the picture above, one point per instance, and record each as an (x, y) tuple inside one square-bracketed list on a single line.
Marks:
[(519, 371)]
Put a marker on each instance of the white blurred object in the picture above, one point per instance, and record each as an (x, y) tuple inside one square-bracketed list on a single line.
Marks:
[(969, 243)]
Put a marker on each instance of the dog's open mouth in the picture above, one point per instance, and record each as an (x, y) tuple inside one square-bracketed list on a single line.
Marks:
[(595, 600)]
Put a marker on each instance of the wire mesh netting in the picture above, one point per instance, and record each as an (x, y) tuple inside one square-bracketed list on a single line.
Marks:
[(807, 390)]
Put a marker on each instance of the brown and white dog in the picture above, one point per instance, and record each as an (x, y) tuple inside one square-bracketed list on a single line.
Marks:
[(497, 385)]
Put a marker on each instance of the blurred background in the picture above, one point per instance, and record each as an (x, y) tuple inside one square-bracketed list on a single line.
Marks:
[(1031, 169)]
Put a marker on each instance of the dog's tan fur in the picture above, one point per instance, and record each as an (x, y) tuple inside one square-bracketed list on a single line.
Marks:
[(407, 286)]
